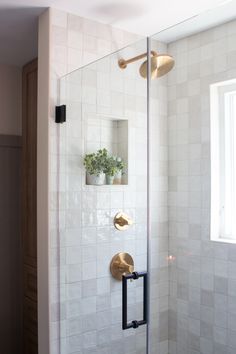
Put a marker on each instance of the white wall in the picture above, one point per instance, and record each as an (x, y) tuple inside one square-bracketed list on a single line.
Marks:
[(158, 211), (42, 183), (66, 42), (202, 272), (10, 99), (75, 42), (91, 305), (195, 293)]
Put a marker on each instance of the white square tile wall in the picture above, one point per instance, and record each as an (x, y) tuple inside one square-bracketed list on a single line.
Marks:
[(90, 211), (199, 288), (158, 212), (202, 272), (85, 301)]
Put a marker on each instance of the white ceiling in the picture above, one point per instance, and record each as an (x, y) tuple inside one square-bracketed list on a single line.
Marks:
[(18, 19), (196, 24)]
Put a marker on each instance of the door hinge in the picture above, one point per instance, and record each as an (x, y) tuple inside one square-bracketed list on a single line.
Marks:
[(60, 116)]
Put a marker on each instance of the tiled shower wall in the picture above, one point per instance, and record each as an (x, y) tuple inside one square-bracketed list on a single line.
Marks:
[(76, 42), (92, 303), (202, 316), (158, 212), (73, 42), (100, 204)]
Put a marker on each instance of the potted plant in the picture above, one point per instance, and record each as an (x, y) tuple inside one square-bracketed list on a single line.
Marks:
[(120, 167), (95, 164), (110, 169)]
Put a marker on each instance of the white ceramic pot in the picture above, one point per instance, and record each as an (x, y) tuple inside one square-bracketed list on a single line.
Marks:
[(109, 179), (95, 180)]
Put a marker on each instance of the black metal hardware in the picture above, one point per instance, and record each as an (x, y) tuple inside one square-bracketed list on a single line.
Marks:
[(135, 323), (60, 116)]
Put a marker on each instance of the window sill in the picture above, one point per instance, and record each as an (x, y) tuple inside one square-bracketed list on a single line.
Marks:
[(223, 240)]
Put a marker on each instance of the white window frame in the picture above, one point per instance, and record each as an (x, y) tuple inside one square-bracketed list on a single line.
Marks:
[(221, 98)]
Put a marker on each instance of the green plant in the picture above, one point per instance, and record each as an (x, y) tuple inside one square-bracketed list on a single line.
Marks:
[(102, 162), (110, 166), (120, 164), (95, 163)]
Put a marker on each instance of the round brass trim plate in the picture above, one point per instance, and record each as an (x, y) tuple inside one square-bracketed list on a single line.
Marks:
[(121, 263), (122, 221)]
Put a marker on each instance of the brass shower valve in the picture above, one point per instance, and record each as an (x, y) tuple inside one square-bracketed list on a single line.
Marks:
[(122, 263), (122, 221)]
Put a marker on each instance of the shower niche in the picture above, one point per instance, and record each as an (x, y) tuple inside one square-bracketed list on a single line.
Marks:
[(109, 133)]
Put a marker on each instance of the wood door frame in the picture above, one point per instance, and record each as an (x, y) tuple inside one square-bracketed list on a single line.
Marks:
[(43, 244)]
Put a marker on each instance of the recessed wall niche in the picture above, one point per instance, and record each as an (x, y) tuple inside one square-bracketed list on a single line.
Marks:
[(111, 133)]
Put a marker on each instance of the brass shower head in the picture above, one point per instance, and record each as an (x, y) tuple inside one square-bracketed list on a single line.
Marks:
[(161, 64)]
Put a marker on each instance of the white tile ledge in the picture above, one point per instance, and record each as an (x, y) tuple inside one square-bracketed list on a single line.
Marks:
[(223, 240)]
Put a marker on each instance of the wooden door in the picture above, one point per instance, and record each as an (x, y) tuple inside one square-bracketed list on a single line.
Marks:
[(10, 250), (29, 196)]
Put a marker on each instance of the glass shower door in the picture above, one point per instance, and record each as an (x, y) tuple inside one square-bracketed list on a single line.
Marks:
[(103, 179)]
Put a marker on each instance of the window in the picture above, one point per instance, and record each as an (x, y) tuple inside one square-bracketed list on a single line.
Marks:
[(223, 161)]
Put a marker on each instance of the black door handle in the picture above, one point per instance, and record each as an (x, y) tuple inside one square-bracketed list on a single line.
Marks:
[(134, 323)]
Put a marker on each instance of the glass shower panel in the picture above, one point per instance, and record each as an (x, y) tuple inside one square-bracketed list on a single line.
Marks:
[(106, 109)]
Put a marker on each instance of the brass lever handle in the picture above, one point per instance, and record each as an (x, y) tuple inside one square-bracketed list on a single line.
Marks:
[(123, 267), (121, 263), (122, 221)]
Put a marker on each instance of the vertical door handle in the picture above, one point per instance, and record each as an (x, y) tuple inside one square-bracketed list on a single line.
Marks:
[(134, 323)]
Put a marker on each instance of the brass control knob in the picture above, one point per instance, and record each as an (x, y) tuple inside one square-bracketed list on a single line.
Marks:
[(122, 221), (121, 263)]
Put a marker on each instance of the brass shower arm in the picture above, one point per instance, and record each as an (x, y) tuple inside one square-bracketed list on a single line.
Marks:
[(160, 64), (123, 63)]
